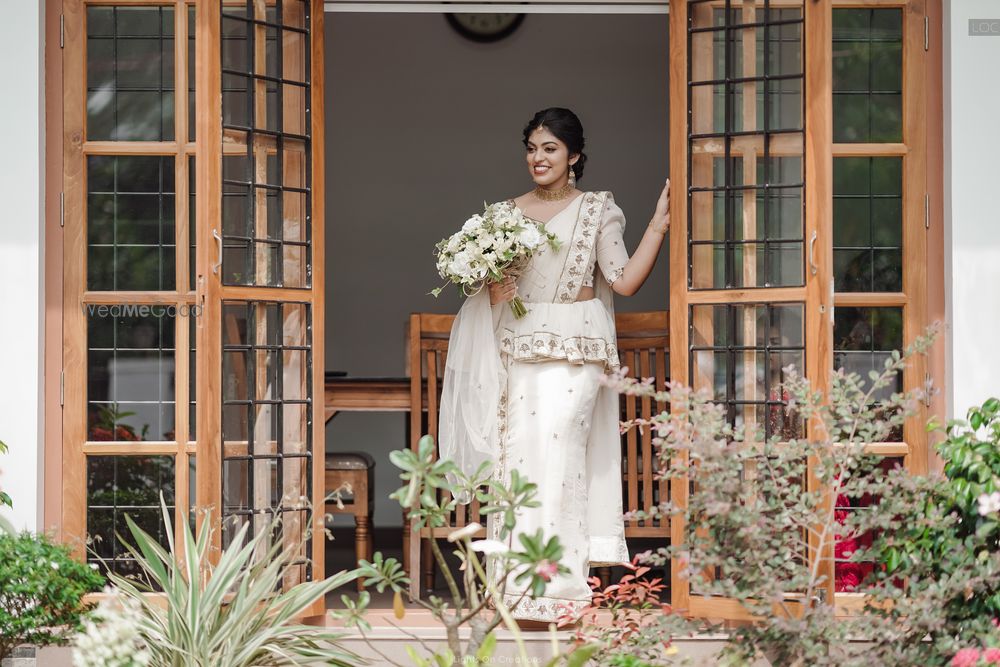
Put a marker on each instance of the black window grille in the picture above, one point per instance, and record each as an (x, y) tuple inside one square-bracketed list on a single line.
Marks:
[(266, 165), (267, 418), (738, 352), (745, 166)]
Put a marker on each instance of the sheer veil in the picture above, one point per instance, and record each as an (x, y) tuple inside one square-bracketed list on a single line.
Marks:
[(470, 395)]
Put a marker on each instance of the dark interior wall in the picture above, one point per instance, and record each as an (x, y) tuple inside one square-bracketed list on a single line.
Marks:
[(423, 125)]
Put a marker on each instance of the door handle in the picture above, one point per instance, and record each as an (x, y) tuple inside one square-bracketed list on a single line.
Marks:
[(813, 269), (218, 240)]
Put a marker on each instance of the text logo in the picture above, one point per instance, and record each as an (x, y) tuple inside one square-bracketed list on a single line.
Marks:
[(984, 27)]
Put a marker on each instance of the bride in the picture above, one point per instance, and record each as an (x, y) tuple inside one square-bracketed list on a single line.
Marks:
[(551, 419)]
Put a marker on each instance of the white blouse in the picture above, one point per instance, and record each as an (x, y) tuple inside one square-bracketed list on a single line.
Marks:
[(558, 326)]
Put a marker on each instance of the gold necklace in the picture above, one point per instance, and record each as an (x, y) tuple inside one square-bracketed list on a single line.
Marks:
[(553, 195)]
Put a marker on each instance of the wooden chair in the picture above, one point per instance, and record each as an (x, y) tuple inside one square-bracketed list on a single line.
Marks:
[(426, 352), (643, 345), (358, 470)]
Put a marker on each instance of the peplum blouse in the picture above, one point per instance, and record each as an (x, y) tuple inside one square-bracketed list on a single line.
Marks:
[(557, 326)]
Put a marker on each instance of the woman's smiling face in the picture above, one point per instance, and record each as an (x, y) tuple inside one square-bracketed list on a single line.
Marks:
[(548, 158)]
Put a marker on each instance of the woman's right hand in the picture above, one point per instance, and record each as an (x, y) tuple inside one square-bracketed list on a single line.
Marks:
[(505, 290)]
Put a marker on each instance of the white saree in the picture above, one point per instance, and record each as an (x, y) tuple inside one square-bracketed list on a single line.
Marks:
[(553, 421)]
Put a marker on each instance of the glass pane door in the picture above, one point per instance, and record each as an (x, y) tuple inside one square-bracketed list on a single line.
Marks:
[(747, 268), (260, 275)]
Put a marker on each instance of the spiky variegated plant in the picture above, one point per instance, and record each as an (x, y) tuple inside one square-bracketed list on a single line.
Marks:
[(230, 614)]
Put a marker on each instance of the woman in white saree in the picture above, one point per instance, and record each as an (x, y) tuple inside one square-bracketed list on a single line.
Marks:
[(524, 393)]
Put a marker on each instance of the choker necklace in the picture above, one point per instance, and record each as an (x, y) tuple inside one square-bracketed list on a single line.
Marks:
[(553, 195)]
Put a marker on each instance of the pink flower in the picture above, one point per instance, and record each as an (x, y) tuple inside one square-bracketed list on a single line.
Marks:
[(546, 570), (992, 656), (967, 657)]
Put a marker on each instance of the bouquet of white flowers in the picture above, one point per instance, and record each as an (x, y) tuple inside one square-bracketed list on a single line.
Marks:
[(490, 246)]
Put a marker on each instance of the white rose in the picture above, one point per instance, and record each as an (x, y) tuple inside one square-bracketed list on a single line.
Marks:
[(460, 265), (472, 223), (530, 237), (454, 243)]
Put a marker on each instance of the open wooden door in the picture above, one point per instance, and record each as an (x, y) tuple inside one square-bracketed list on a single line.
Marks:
[(750, 161), (260, 270)]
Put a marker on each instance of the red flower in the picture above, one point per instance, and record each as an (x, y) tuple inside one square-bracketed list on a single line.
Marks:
[(847, 577), (125, 433), (845, 547), (967, 657), (99, 434)]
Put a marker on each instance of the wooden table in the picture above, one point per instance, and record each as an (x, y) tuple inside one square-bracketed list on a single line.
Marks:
[(365, 394)]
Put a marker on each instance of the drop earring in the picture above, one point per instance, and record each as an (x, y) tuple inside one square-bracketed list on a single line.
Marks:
[(572, 177)]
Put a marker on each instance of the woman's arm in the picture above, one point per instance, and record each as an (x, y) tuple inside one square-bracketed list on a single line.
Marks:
[(641, 263)]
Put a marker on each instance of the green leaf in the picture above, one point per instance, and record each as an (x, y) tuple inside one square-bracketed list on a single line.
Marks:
[(580, 656), (892, 560), (486, 649), (445, 659), (416, 659)]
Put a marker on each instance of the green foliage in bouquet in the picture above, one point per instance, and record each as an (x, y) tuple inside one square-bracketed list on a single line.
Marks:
[(41, 591), (230, 614)]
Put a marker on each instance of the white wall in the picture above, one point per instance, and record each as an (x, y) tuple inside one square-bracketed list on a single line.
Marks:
[(21, 289), (423, 125), (972, 210)]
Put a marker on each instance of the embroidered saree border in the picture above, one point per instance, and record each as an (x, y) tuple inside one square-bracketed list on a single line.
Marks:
[(581, 246)]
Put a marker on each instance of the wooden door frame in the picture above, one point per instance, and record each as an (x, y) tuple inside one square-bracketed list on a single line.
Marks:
[(53, 258), (817, 219), (56, 501), (66, 442), (922, 125)]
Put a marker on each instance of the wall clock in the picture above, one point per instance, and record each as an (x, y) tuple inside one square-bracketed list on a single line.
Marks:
[(480, 27)]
